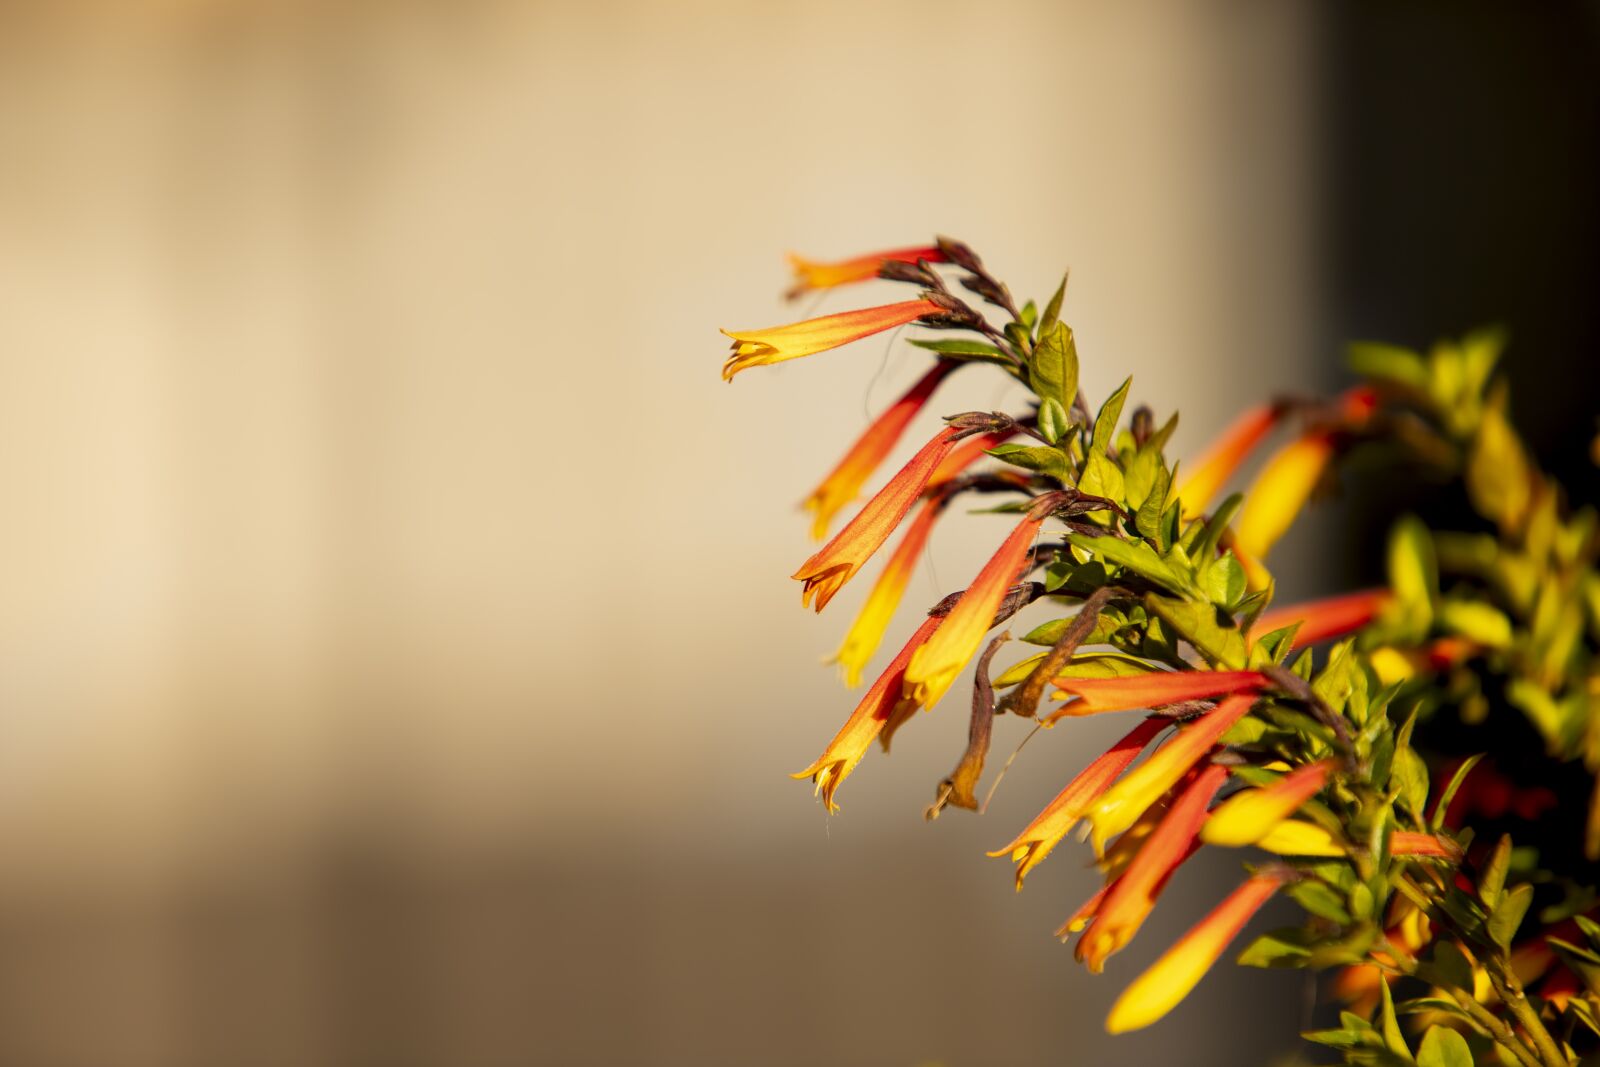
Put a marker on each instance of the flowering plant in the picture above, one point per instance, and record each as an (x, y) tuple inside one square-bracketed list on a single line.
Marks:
[(1298, 732)]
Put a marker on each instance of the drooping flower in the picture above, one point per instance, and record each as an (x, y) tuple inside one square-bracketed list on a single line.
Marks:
[(1223, 457), (1280, 491), (843, 483), (838, 560), (866, 632), (1134, 893), (1125, 801), (759, 348), (967, 453), (865, 723), (1161, 988), (1284, 485), (1251, 814), (1428, 846), (809, 274), (1324, 620), (1095, 695), (934, 667), (1034, 843)]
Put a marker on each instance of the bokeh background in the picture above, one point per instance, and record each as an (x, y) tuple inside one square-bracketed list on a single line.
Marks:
[(398, 663)]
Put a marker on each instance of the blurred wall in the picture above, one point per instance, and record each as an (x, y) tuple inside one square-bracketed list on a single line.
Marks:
[(397, 659)]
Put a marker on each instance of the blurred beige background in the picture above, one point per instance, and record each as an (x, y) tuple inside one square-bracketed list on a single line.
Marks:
[(398, 663)]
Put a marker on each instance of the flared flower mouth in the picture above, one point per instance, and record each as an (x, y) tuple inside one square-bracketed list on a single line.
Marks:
[(775, 344), (1039, 837), (826, 572)]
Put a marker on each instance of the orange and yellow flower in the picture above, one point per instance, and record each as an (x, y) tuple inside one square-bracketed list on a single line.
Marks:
[(1324, 620), (1161, 988), (866, 632), (1225, 455), (1034, 843), (843, 483), (865, 723), (967, 453), (1095, 695), (809, 274), (838, 560), (1133, 895), (1280, 492), (1286, 483), (934, 667), (1251, 814), (775, 344), (1121, 805)]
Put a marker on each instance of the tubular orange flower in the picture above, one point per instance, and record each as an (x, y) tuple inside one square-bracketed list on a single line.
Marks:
[(967, 453), (809, 274), (1323, 620), (838, 560), (866, 632), (1249, 815), (1124, 802), (1160, 989), (1412, 843), (1134, 893), (935, 665), (1033, 844), (843, 483), (851, 742), (1095, 695), (1280, 491), (760, 348), (1218, 462)]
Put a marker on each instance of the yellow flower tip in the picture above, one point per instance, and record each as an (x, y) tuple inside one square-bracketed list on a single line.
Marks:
[(812, 274), (1251, 814), (820, 588), (1295, 838), (1161, 988), (1281, 491), (796, 339)]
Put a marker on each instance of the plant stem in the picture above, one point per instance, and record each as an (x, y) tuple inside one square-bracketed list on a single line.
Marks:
[(1505, 983)]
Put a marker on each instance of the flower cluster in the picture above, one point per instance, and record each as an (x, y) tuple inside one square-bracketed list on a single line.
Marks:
[(1286, 730)]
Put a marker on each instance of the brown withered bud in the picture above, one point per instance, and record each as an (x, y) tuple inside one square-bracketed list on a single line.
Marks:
[(959, 253), (960, 788), (1017, 597), (918, 273), (976, 422), (1144, 424)]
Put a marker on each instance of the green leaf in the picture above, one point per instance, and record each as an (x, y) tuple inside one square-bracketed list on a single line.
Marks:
[(1105, 423), (1507, 915), (1053, 366), (1039, 458), (1499, 479), (1135, 556), (1450, 789), (1320, 900), (1053, 420), (1148, 518), (1449, 968), (1476, 621), (1413, 570), (1052, 310), (1493, 879), (1402, 366), (1101, 477), (1392, 1036), (1443, 1047), (961, 348), (1410, 773), (1225, 582), (1198, 624), (1028, 315), (1288, 947)]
